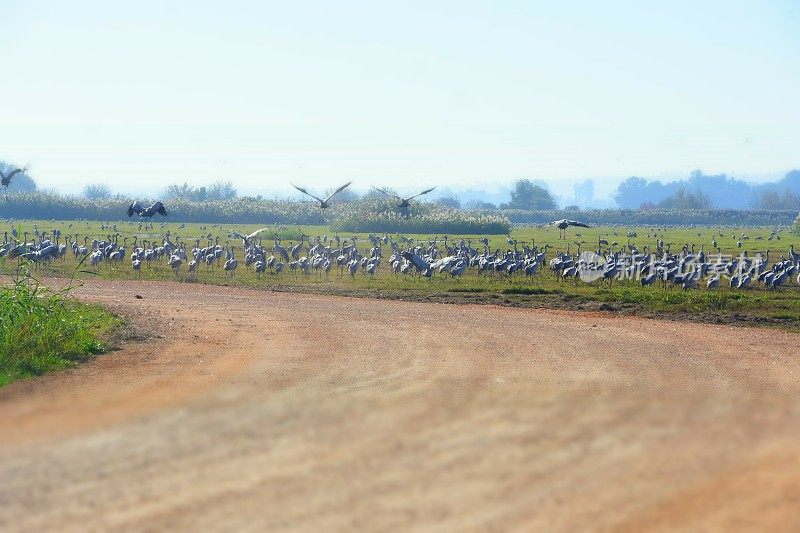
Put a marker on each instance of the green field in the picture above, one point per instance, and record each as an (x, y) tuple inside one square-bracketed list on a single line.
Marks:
[(754, 306)]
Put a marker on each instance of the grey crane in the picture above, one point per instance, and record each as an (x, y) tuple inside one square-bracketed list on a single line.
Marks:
[(146, 212), (405, 203), (247, 239), (564, 223), (323, 203), (5, 179)]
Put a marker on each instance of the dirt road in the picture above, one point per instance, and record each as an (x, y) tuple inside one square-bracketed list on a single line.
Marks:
[(264, 411)]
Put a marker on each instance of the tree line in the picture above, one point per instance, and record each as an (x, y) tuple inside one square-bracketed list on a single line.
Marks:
[(703, 191), (698, 191)]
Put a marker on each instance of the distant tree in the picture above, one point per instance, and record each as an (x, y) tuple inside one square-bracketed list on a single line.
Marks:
[(97, 191), (372, 194), (791, 181), (584, 193), (526, 195), (449, 201), (683, 199), (221, 190), (635, 191), (723, 191), (773, 200), (479, 204), (21, 182), (179, 192), (630, 193), (346, 196)]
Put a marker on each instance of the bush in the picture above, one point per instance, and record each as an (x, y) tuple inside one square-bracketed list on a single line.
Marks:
[(527, 195), (97, 191), (776, 200), (376, 214), (380, 216), (683, 199), (41, 330), (219, 190), (245, 210)]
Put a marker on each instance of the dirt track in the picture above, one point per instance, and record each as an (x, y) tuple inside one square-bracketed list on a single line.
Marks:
[(258, 410)]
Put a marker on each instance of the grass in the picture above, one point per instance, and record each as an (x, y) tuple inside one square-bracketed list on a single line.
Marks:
[(755, 306), (42, 331)]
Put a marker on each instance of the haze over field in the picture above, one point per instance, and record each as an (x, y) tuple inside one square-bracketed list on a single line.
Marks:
[(464, 96)]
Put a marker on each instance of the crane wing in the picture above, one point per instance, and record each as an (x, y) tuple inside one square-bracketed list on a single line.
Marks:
[(579, 224), (158, 207), (302, 190), (387, 193), (337, 191), (426, 191), (5, 179), (135, 207), (256, 232)]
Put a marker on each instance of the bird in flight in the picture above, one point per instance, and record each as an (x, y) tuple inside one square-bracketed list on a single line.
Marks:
[(405, 203), (323, 204), (564, 223), (146, 212), (5, 179), (247, 239)]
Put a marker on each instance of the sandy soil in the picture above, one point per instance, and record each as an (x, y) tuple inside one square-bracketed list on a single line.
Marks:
[(264, 411)]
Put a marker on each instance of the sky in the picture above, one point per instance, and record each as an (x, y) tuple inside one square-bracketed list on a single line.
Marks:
[(404, 94)]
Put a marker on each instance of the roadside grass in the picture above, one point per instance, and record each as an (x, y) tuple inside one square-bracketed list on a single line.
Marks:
[(43, 330)]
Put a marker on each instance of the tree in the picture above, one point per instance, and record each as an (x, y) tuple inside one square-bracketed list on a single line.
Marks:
[(480, 204), (97, 191), (584, 193), (179, 192), (683, 199), (221, 190), (723, 191), (449, 201), (773, 200), (630, 193), (372, 194), (21, 182), (344, 197), (526, 195)]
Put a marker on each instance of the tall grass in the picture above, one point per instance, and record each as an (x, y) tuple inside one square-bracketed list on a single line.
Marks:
[(382, 216), (42, 330)]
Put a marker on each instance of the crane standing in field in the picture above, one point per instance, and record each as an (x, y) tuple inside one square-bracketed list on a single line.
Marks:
[(323, 203), (564, 223)]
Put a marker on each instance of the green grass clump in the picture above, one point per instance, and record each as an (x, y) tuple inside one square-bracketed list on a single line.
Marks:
[(42, 330)]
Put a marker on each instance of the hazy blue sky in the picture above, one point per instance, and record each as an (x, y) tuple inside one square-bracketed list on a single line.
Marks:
[(404, 93)]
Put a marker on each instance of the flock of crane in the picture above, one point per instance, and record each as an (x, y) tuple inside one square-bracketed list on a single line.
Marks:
[(263, 254), (436, 256)]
